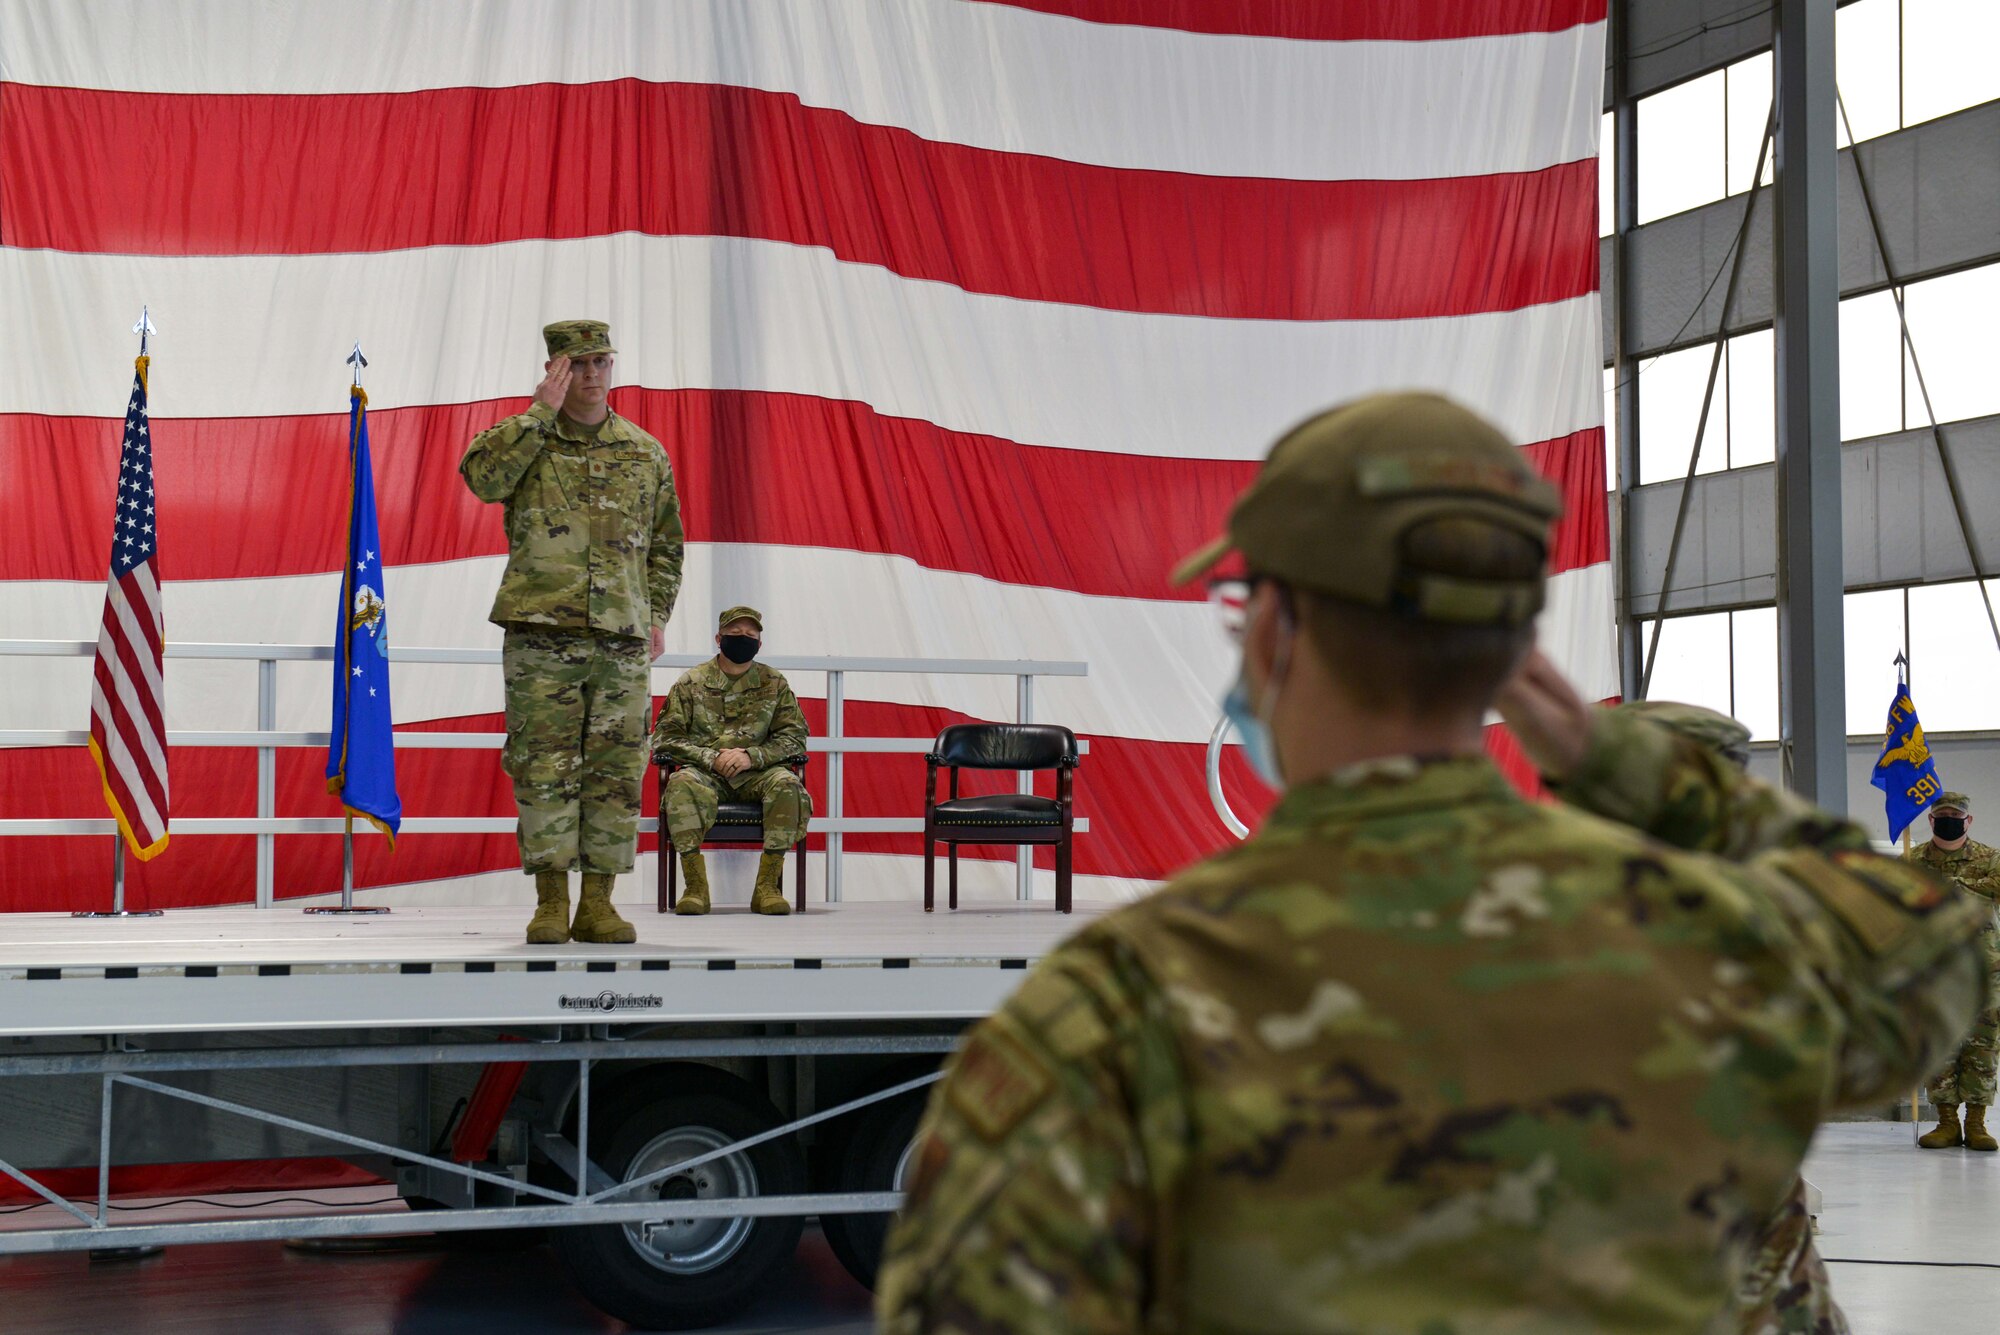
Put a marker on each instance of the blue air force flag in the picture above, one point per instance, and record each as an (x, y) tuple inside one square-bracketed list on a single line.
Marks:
[(361, 759), (1905, 772)]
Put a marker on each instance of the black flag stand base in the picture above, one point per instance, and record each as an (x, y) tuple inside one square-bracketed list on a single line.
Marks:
[(347, 904), (117, 909)]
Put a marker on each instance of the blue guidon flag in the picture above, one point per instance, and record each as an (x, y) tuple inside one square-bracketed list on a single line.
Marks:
[(361, 758), (1905, 771)]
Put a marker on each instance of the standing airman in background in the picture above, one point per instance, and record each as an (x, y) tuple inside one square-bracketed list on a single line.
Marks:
[(735, 730), (1969, 1077), (1420, 1055), (594, 550)]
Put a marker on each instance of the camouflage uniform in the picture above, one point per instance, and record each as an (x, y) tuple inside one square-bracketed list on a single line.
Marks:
[(594, 550), (708, 712), (1969, 1077), (1495, 1065), (1421, 1056), (1785, 1287)]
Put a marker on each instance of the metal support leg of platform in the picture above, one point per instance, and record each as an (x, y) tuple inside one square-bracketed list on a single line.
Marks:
[(1024, 856)]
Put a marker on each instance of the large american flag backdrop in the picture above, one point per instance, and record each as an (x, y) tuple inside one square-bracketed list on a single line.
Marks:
[(961, 320)]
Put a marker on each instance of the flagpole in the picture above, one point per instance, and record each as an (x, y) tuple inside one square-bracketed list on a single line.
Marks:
[(347, 905), (118, 909)]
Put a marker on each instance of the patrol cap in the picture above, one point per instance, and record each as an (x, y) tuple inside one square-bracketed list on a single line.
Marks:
[(1958, 802), (741, 614), (1331, 506), (1716, 731), (577, 338)]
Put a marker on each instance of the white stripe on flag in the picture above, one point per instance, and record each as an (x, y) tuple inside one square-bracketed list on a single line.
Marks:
[(725, 313), (989, 76), (1156, 668)]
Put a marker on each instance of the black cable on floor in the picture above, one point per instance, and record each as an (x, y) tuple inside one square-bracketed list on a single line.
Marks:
[(1943, 1265), (222, 1205)]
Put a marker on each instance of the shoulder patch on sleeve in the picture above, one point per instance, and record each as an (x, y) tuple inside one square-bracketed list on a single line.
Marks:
[(997, 1082), (1877, 898)]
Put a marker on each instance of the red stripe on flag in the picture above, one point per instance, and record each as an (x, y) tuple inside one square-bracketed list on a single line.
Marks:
[(245, 497), (475, 166), (1350, 20), (1147, 803)]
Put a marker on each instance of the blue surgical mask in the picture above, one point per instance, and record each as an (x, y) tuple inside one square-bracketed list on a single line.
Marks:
[(1253, 725), (1257, 747)]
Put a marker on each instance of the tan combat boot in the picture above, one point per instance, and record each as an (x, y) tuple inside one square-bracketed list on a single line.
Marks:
[(1977, 1137), (769, 896), (550, 925), (596, 921), (1946, 1134), (694, 895)]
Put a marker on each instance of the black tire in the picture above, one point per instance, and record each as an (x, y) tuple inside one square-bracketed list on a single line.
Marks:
[(874, 1156), (699, 1272)]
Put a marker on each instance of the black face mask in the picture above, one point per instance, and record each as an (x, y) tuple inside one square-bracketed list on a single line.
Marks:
[(739, 648), (1948, 828)]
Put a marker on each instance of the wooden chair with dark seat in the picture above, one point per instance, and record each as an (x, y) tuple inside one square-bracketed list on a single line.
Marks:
[(1002, 818), (735, 823)]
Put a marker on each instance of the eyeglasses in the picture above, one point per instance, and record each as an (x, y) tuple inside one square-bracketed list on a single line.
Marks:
[(1231, 599)]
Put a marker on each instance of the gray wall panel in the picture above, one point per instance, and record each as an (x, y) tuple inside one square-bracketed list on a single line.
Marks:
[(1675, 40), (1899, 524), (1967, 761), (1936, 184)]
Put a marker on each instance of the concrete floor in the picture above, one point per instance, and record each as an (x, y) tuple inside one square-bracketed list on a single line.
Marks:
[(1890, 1206), (1887, 1207)]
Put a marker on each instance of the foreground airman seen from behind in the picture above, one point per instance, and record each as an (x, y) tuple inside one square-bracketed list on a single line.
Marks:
[(1784, 1289), (1422, 1056)]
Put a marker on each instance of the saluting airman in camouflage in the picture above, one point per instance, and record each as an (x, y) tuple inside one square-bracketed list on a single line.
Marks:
[(594, 550), (1969, 1077), (735, 730), (1421, 1056), (1784, 1289)]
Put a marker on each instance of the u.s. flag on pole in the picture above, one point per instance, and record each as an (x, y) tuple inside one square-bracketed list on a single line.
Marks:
[(128, 734)]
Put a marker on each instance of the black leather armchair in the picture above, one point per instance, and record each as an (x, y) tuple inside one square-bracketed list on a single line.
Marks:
[(735, 823), (1003, 818)]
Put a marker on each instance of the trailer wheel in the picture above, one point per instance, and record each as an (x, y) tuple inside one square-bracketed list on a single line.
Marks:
[(875, 1156), (680, 1274)]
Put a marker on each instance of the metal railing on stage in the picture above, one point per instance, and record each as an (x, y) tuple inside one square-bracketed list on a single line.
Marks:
[(266, 740)]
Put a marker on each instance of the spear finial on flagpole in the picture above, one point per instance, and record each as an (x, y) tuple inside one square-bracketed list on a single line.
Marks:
[(1902, 664), (357, 361), (144, 328)]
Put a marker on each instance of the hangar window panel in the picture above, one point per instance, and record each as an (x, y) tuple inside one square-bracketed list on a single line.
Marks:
[(1951, 321), (1607, 177), (1670, 390), (1747, 88), (1692, 665), (1871, 362), (1754, 667), (1867, 68), (1681, 158), (1873, 628), (1951, 56), (1753, 399), (1953, 661)]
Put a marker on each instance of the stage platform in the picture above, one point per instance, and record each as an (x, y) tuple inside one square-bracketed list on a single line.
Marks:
[(210, 970)]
